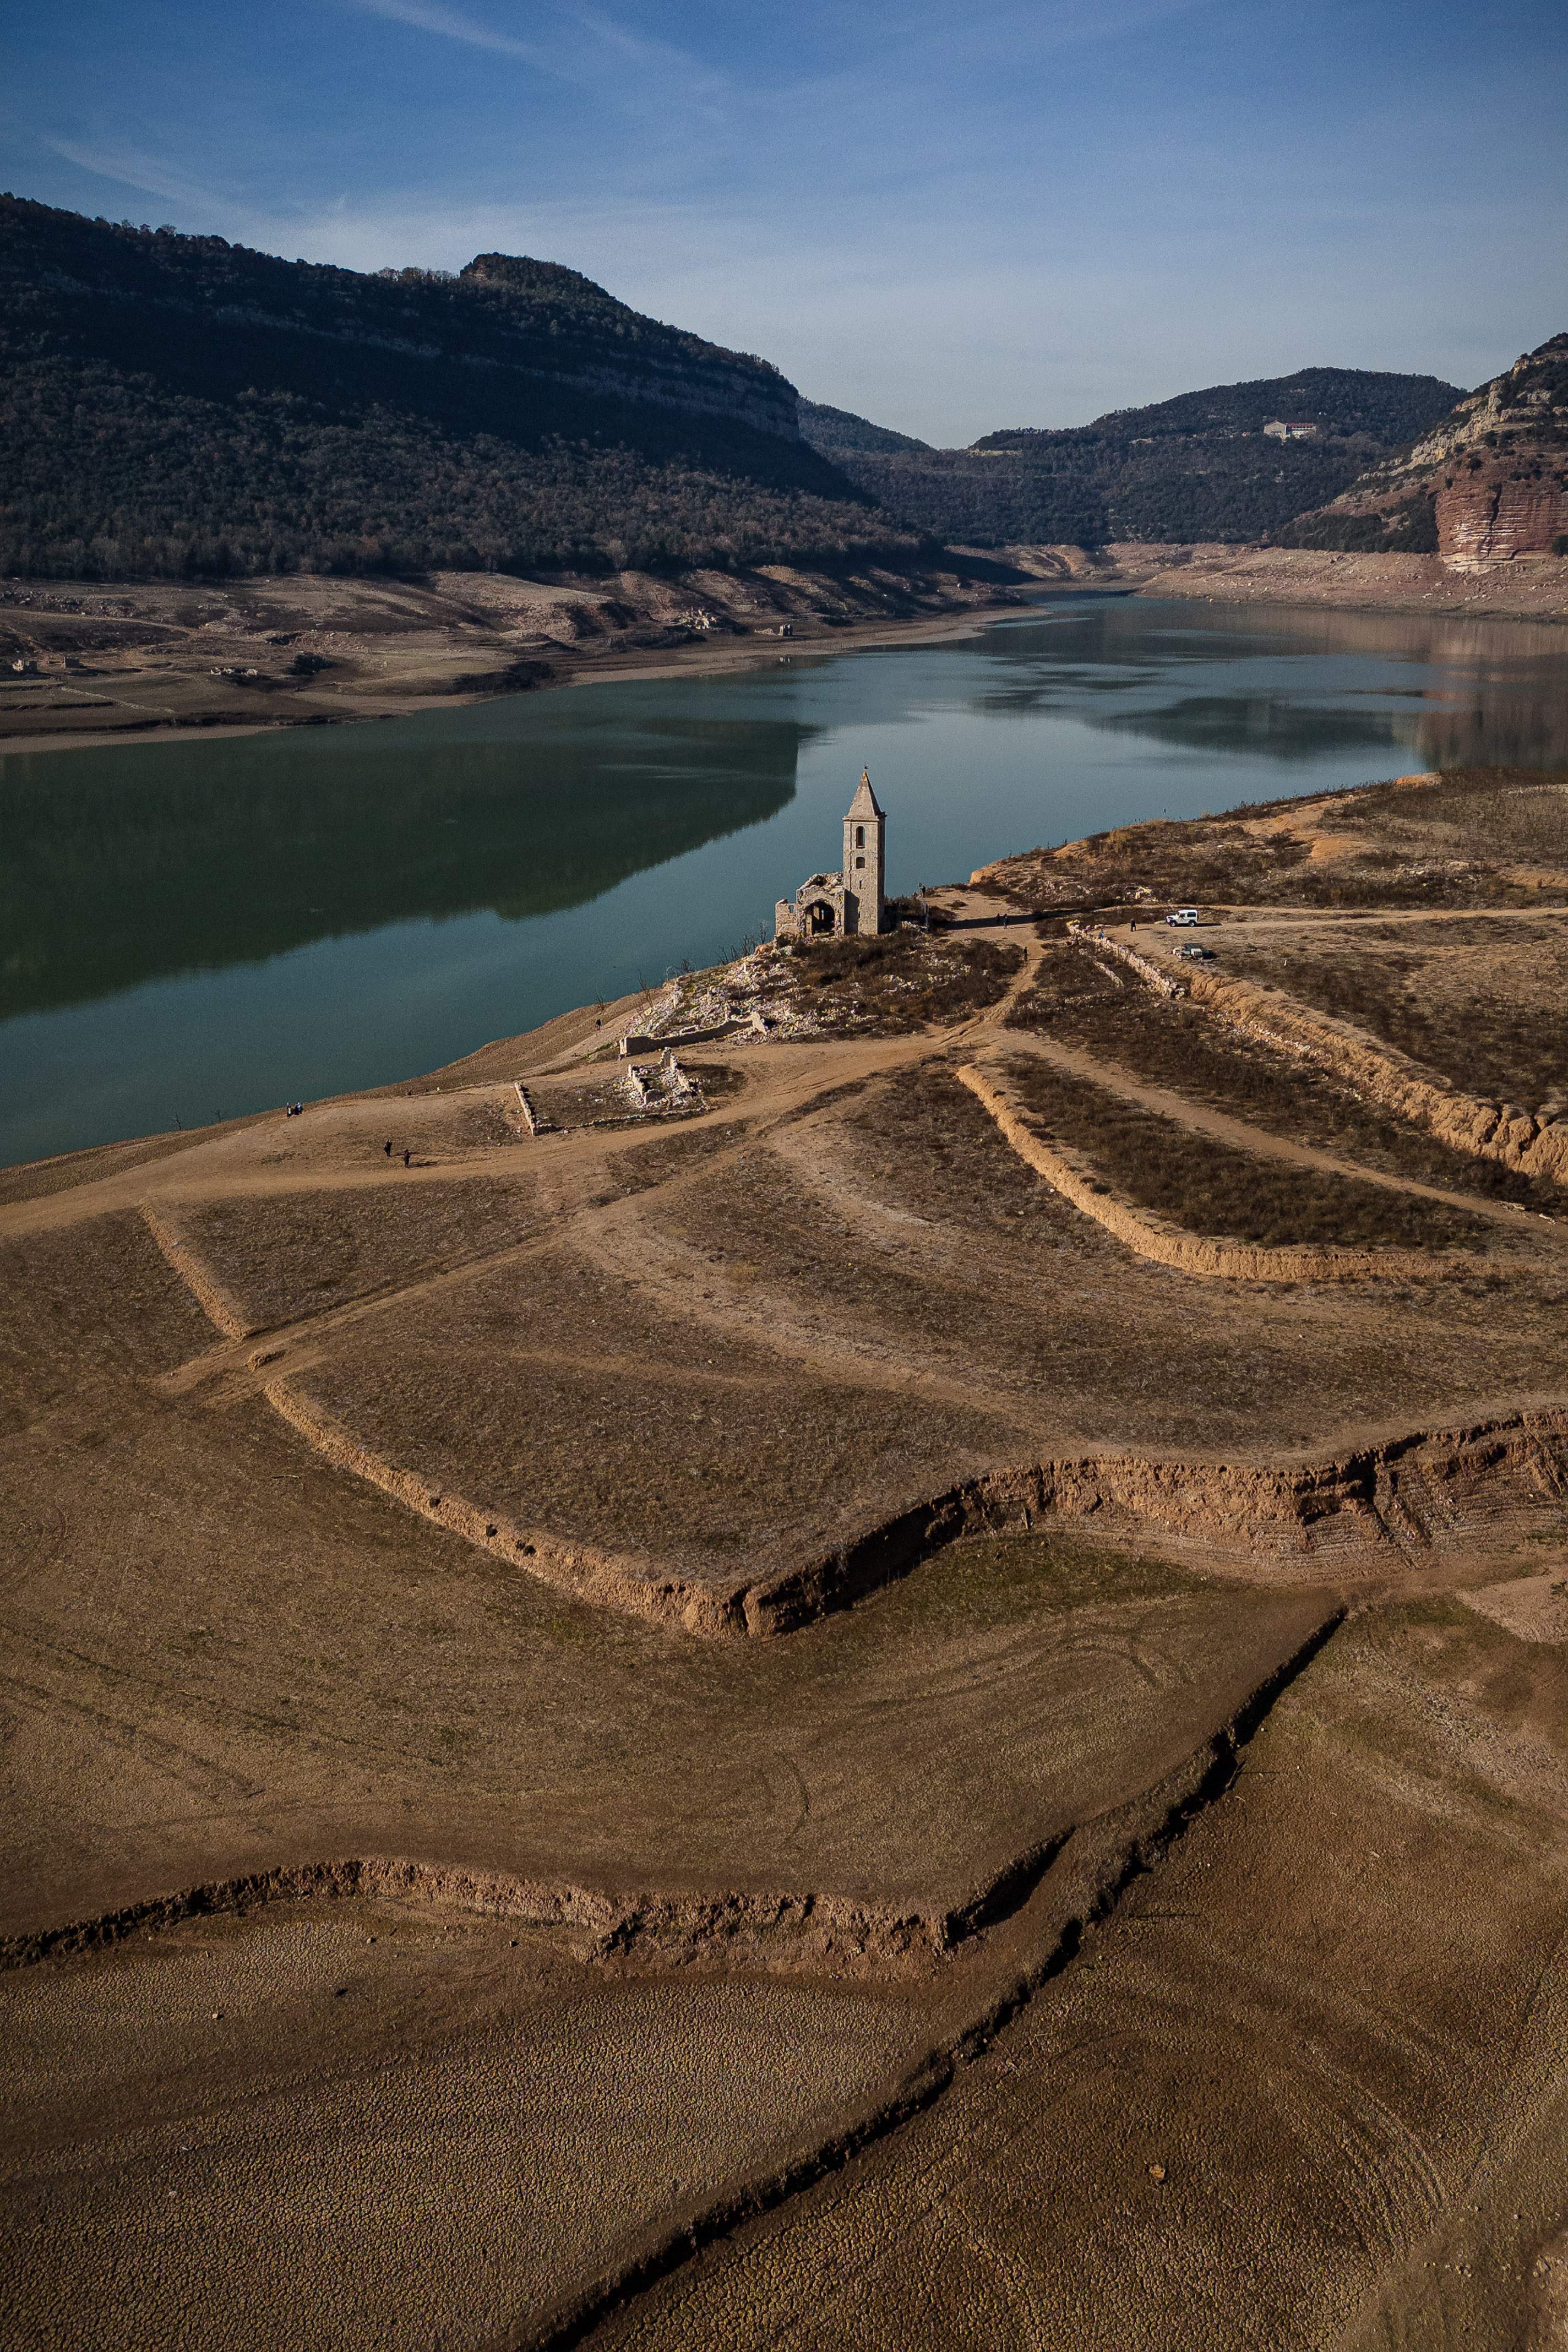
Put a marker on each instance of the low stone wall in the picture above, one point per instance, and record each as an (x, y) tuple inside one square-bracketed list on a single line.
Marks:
[(631, 1044), (1193, 1253), (532, 1118), (1165, 983)]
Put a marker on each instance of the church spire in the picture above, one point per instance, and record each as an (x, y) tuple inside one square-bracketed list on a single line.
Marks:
[(865, 800)]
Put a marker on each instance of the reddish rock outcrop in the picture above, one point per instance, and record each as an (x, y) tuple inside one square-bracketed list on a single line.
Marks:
[(1486, 486)]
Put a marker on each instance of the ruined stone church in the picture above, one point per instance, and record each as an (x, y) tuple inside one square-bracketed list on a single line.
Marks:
[(847, 905)]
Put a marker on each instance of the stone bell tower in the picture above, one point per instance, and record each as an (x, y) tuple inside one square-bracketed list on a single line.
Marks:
[(865, 860)]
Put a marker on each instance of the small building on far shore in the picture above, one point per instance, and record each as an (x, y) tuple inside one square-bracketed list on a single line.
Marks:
[(1281, 428), (851, 904)]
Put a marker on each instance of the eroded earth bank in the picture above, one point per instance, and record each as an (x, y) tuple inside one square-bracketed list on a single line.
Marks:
[(901, 1684)]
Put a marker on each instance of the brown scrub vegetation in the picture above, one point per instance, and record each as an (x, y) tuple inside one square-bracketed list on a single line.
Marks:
[(760, 1729)]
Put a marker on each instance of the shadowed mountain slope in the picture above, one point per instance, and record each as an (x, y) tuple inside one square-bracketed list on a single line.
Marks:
[(176, 405), (1199, 467)]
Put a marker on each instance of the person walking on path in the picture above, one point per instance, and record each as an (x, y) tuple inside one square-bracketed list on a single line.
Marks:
[(407, 1158)]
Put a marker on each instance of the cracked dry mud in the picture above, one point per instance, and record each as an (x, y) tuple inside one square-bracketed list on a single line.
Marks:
[(776, 1734)]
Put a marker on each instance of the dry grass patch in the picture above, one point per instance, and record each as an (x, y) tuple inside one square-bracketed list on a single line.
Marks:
[(1086, 1003), (664, 1159), (1208, 1189), (559, 1396), (1480, 1004), (86, 1305), (282, 1256), (1518, 812), (901, 981), (901, 1223)]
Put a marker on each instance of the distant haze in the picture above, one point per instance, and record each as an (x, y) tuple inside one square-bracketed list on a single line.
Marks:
[(950, 221)]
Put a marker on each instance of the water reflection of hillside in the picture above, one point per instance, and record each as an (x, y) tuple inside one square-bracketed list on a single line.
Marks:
[(148, 860), (1286, 731), (1484, 724), (1432, 692)]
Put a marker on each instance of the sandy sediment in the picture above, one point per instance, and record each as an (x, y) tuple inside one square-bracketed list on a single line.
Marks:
[(788, 1931), (1525, 588), (1193, 1253), (1090, 1873)]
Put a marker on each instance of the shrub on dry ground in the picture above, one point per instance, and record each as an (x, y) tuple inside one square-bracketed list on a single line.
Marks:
[(1207, 1189), (1423, 847), (1086, 1004), (1490, 1033), (900, 980)]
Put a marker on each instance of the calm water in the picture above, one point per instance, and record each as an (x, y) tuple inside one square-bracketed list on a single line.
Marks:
[(194, 929)]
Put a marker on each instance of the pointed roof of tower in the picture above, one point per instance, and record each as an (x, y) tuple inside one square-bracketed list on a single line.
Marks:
[(865, 800)]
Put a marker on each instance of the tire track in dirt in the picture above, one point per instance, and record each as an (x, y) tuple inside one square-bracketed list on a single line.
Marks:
[(1078, 1890), (985, 1960)]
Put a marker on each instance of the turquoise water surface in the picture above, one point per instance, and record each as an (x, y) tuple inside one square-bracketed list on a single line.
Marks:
[(197, 929)]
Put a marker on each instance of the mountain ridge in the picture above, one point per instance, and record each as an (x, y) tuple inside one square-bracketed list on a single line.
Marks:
[(181, 407), (1195, 467)]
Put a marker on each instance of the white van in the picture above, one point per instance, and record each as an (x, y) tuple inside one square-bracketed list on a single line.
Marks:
[(1187, 916)]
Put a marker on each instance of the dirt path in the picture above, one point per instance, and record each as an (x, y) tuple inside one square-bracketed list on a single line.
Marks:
[(1295, 920), (1242, 1137)]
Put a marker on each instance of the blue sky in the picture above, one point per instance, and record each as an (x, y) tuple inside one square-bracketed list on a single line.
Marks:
[(950, 218)]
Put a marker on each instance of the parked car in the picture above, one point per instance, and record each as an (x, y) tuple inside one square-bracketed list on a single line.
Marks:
[(1197, 954), (1184, 916)]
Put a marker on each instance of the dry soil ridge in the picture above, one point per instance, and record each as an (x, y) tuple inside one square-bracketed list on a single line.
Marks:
[(1090, 1871), (794, 1929), (1194, 1253), (1352, 1507), (1510, 1134), (1203, 1119), (1020, 1932)]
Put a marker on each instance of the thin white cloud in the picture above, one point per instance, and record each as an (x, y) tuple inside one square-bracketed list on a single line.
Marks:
[(431, 17), (152, 175), (652, 56)]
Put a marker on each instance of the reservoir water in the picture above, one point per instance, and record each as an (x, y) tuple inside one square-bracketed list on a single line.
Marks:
[(191, 930)]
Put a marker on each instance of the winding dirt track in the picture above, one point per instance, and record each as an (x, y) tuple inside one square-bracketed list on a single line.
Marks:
[(932, 1802), (782, 1111)]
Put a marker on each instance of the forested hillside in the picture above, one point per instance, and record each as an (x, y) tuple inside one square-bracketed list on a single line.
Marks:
[(178, 406), (840, 429), (1198, 467)]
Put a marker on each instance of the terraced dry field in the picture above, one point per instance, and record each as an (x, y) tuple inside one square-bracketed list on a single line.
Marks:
[(836, 1722)]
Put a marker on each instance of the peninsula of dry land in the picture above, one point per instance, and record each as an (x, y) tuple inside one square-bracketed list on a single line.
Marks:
[(902, 1682)]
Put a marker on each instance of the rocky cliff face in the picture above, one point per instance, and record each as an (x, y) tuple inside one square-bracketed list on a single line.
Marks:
[(1485, 485)]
